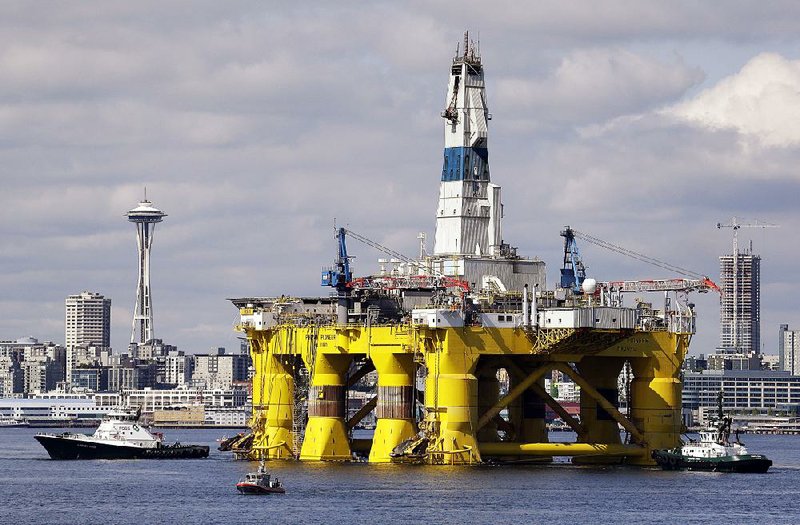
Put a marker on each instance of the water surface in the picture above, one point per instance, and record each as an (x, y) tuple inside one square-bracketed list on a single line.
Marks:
[(35, 489)]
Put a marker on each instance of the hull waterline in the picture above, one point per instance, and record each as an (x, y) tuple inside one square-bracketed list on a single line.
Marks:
[(60, 447)]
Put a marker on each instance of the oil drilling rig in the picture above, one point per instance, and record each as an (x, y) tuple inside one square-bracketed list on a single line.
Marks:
[(441, 329)]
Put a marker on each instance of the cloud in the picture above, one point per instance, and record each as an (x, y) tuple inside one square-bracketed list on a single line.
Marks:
[(592, 85), (761, 101), (254, 125)]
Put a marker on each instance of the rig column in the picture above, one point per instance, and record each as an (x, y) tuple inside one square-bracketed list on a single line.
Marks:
[(395, 409), (488, 396), (602, 374), (273, 391), (280, 399), (656, 392), (326, 436), (451, 402), (530, 413)]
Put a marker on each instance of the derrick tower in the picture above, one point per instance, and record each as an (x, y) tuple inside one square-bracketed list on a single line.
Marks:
[(145, 216), (469, 235), (469, 213)]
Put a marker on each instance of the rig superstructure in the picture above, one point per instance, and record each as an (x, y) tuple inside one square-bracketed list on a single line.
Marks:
[(438, 330)]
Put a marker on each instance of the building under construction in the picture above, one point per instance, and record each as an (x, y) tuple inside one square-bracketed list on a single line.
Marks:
[(461, 340), (740, 306)]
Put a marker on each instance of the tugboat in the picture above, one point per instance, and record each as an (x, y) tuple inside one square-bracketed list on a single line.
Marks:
[(714, 452), (260, 482), (119, 436)]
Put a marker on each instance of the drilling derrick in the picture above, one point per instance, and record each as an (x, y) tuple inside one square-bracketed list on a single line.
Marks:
[(461, 340)]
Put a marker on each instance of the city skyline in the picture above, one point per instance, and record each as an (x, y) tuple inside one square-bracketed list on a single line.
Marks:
[(644, 126)]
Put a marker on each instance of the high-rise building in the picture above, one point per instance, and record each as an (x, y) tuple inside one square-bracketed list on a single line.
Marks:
[(11, 377), (151, 350), (88, 320), (219, 370), (789, 350), (781, 329), (145, 217), (178, 368), (28, 366), (740, 305), (87, 329)]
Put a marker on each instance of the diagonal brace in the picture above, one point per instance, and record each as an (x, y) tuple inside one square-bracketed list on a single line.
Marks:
[(565, 416), (573, 423), (603, 402), (362, 413), (360, 373), (512, 395)]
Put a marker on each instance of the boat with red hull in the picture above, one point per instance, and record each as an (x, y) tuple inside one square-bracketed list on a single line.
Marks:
[(260, 482)]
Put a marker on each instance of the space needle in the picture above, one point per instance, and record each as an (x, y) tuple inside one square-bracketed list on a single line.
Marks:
[(144, 216)]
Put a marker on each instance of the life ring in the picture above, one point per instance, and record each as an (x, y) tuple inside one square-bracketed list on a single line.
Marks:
[(136, 427)]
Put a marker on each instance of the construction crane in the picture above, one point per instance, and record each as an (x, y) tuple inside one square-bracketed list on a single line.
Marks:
[(693, 282), (735, 225)]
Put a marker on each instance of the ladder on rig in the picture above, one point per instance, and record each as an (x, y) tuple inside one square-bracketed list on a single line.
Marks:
[(302, 380)]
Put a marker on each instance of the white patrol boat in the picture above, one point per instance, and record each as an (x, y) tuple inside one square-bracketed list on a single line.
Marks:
[(260, 482), (714, 452), (119, 436)]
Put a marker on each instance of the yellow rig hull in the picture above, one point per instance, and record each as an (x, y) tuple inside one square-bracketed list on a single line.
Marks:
[(462, 400)]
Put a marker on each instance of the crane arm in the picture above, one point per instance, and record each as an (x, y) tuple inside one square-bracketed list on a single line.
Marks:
[(379, 247), (660, 285), (440, 279), (638, 256)]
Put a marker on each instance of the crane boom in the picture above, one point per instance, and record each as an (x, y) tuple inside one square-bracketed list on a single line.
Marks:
[(380, 247), (437, 280), (693, 281), (659, 285), (638, 256)]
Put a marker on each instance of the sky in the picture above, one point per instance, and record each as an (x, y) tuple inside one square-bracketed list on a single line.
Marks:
[(255, 125)]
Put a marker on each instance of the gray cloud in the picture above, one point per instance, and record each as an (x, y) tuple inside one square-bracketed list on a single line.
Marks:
[(254, 125)]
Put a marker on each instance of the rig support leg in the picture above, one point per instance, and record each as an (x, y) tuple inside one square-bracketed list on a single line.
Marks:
[(656, 395), (273, 394), (395, 408), (533, 427), (326, 435), (488, 396), (451, 403), (600, 425), (279, 414)]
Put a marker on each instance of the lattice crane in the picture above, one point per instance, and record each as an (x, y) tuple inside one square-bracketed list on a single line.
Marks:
[(692, 280), (343, 276), (735, 225)]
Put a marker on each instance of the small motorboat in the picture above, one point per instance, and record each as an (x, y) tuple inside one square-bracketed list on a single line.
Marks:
[(260, 482)]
